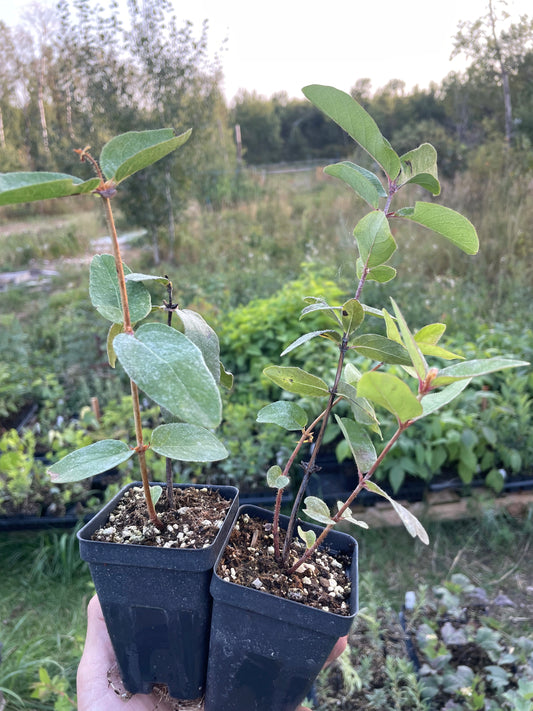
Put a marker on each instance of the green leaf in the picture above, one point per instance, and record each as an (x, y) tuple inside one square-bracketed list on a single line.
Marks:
[(130, 152), (155, 493), (495, 480), (420, 166), (114, 330), (381, 274), (317, 509), (431, 333), (359, 442), (135, 276), (392, 329), (411, 523), (172, 371), (434, 401), (308, 537), (390, 392), (187, 443), (381, 349), (352, 375), (474, 368), (325, 333), (362, 181), (226, 378), (353, 119), (417, 359), (427, 339), (276, 478), (446, 222), (297, 381), (374, 239), (203, 336), (28, 187), (352, 316), (319, 304), (348, 516), (362, 410), (105, 293), (286, 414), (89, 461)]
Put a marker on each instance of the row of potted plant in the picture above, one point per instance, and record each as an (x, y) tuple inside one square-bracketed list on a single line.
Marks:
[(246, 604)]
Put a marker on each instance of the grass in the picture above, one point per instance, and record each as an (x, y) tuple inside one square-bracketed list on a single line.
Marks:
[(42, 612), (44, 595)]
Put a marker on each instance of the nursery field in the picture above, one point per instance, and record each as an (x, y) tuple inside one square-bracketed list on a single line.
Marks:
[(246, 266)]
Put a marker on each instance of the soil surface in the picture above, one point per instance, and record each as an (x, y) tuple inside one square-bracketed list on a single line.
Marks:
[(249, 561), (193, 522)]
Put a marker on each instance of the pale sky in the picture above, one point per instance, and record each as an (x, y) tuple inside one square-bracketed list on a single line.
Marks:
[(282, 45)]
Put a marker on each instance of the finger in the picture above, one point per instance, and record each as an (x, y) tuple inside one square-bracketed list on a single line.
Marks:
[(337, 650)]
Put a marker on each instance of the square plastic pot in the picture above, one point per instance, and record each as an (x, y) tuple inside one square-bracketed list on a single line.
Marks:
[(156, 604), (266, 651)]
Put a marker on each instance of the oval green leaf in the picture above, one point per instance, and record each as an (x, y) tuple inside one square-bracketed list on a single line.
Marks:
[(130, 152), (276, 479), (105, 293), (89, 461), (28, 187), (286, 414), (187, 443), (317, 509), (390, 392), (409, 520), (357, 123), (360, 444), (419, 166), (297, 381), (171, 370), (446, 222), (353, 316), (374, 239), (136, 276), (196, 328), (381, 349), (155, 493), (308, 537), (475, 368), (362, 410), (381, 274), (362, 181)]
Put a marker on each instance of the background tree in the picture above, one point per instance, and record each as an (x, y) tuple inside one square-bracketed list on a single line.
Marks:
[(497, 50), (176, 85)]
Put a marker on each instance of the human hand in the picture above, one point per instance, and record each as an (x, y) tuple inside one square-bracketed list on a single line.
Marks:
[(95, 693)]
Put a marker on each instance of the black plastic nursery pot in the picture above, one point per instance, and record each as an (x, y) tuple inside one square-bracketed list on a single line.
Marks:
[(266, 651), (156, 603)]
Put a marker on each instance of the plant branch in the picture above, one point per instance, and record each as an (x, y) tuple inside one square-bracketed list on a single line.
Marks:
[(141, 448), (306, 434), (310, 466), (119, 266), (402, 426)]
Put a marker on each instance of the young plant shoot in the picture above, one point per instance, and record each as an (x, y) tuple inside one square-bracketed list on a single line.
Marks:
[(179, 369), (426, 388)]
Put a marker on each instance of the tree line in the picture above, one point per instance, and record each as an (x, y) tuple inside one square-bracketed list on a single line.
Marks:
[(76, 74)]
